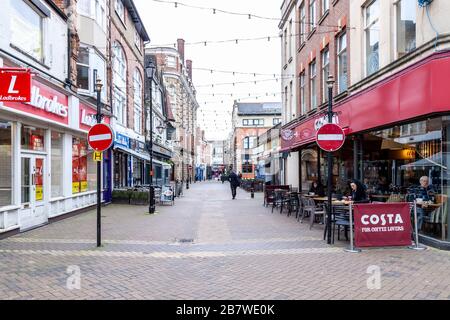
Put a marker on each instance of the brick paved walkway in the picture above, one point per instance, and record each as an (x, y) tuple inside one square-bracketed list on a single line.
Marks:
[(239, 251)]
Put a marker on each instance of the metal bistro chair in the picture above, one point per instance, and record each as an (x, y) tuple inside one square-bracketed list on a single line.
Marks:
[(279, 200), (293, 204), (317, 211), (341, 218), (305, 209)]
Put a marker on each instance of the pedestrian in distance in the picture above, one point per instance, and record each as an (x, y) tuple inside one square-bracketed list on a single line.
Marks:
[(235, 182)]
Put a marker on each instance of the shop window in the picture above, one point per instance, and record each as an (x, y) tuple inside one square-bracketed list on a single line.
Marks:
[(27, 29), (410, 162), (406, 26), (247, 168), (84, 169), (372, 35), (5, 163), (32, 138), (57, 161), (138, 168)]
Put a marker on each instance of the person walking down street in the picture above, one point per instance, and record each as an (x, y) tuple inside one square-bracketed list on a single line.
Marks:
[(234, 183)]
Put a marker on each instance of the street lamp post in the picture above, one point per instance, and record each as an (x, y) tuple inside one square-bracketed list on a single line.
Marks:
[(150, 70), (98, 89), (330, 83)]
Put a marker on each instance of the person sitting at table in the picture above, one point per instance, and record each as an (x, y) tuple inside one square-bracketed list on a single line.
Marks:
[(318, 189), (383, 185), (359, 194), (426, 193)]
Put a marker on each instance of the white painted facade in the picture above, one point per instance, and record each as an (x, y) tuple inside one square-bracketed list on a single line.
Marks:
[(26, 203)]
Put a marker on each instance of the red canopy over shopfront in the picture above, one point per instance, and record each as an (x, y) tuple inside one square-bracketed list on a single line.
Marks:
[(419, 90)]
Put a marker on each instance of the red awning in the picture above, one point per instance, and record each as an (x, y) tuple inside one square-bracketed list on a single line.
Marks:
[(417, 91)]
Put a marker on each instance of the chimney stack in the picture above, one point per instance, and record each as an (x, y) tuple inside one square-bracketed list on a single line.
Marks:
[(181, 49), (189, 68)]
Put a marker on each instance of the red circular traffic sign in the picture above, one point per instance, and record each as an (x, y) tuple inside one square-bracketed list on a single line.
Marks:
[(330, 137), (100, 137)]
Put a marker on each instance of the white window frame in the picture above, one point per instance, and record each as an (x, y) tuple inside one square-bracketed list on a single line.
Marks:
[(397, 5), (325, 7), (367, 27), (88, 90), (302, 32), (302, 92), (120, 9), (120, 82), (312, 14), (40, 58), (137, 99), (313, 84), (341, 50), (325, 57)]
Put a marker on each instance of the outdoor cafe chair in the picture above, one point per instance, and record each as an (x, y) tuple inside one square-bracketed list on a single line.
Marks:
[(278, 199), (314, 212)]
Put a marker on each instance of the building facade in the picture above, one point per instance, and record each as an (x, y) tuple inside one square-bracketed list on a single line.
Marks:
[(394, 111), (320, 44), (177, 78), (127, 36), (250, 120), (47, 169)]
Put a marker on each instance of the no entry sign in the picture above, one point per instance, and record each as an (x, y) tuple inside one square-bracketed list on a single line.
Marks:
[(330, 137), (15, 85), (100, 137)]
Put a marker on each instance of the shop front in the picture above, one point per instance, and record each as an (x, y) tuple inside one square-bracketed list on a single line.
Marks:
[(46, 167), (397, 140)]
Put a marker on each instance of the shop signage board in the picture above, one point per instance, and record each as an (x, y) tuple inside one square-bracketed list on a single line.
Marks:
[(100, 137), (330, 137), (15, 85), (382, 225)]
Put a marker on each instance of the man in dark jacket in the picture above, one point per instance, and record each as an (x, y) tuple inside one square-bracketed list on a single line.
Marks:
[(234, 183)]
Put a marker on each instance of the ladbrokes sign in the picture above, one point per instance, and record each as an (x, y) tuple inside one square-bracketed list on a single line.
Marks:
[(15, 85), (381, 225)]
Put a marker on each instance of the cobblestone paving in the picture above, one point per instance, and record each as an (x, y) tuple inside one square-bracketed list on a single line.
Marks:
[(240, 250)]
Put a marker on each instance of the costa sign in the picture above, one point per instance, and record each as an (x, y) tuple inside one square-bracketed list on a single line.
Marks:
[(380, 225), (15, 85)]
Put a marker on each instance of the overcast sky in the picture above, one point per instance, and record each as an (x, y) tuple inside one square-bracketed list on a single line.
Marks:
[(165, 24)]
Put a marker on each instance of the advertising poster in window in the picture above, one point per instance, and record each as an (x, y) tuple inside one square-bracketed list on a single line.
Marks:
[(36, 143), (82, 173), (39, 179), (75, 166)]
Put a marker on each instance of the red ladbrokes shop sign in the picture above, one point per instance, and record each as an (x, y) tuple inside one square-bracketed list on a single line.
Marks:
[(382, 225)]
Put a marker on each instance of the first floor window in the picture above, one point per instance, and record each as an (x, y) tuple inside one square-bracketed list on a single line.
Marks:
[(342, 63), (5, 163), (27, 29), (325, 73), (57, 161), (120, 106), (137, 118), (406, 26), (325, 6), (83, 68), (312, 84), (372, 35), (84, 169), (302, 92)]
